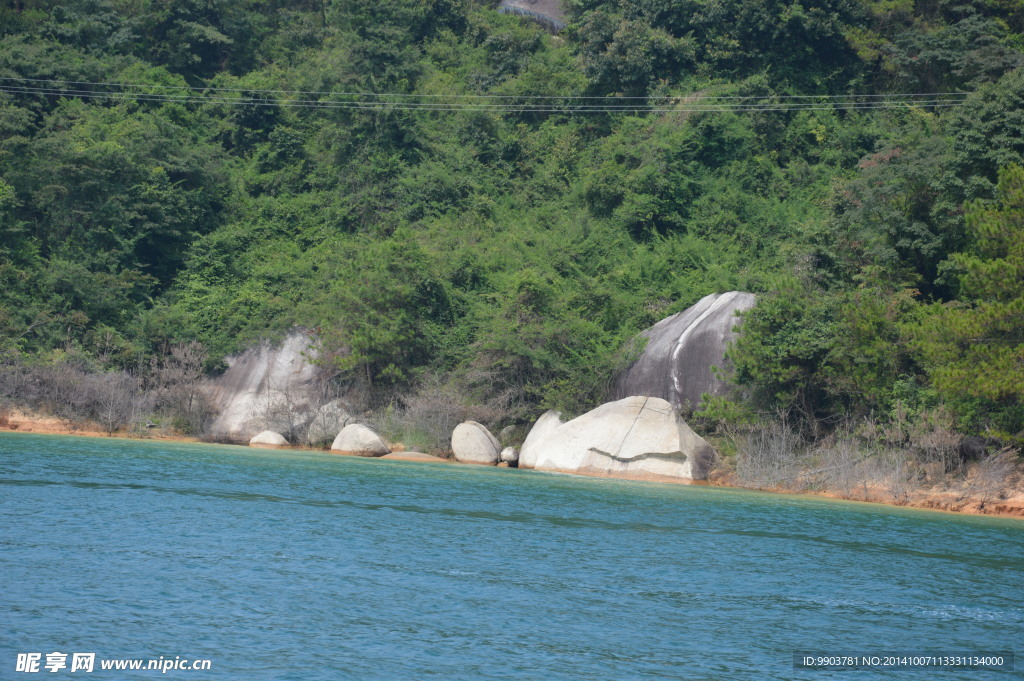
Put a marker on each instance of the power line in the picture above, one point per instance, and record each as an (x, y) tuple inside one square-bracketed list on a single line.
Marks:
[(685, 101), (484, 108), (472, 96), (458, 104)]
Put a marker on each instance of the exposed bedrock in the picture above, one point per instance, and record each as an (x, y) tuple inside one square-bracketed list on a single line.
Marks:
[(681, 350), (642, 438), (550, 13), (265, 388)]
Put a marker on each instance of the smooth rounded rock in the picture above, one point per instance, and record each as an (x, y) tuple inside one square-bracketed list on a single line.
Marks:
[(473, 443), (268, 438), (641, 438), (510, 456), (357, 439)]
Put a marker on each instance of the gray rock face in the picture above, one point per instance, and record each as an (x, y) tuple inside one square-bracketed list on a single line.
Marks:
[(641, 438), (681, 349), (551, 13), (512, 435), (327, 422), (264, 388), (473, 443), (268, 438), (356, 438)]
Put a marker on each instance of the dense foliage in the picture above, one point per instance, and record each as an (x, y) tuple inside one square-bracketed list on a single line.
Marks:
[(515, 252)]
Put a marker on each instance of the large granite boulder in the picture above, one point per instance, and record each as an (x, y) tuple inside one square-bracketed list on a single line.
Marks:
[(357, 439), (642, 438), (676, 365), (473, 443), (268, 438)]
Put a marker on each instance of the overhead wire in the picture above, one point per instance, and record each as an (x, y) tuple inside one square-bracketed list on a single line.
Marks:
[(570, 104), (461, 96), (694, 102)]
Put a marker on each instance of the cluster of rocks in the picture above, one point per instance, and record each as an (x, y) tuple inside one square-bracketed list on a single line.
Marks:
[(640, 436)]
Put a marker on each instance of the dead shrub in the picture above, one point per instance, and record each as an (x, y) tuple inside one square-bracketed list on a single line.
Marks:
[(840, 458), (933, 440), (768, 456), (990, 478), (426, 418)]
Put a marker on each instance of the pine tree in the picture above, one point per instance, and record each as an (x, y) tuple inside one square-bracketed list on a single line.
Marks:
[(974, 347)]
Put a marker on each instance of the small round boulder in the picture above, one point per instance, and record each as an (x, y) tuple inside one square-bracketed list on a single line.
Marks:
[(268, 439), (510, 456), (357, 439)]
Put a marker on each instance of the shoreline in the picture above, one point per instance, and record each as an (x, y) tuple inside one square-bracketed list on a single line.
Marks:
[(926, 500)]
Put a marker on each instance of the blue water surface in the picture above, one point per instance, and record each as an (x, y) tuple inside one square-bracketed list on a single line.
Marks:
[(306, 566)]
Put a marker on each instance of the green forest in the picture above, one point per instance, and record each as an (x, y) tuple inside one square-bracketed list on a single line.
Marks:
[(451, 198)]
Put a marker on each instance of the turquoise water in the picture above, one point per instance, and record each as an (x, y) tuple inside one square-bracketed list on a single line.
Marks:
[(301, 565)]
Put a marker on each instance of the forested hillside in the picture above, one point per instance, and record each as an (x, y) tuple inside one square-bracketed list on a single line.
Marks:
[(455, 200)]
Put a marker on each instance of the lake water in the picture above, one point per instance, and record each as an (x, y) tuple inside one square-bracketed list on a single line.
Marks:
[(302, 565)]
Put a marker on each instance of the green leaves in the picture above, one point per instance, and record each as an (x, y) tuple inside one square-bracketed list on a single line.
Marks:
[(974, 350), (516, 247), (627, 56), (374, 320)]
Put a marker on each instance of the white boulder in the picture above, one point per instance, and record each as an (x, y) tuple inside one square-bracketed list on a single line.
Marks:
[(473, 443), (510, 456), (268, 438), (642, 438), (356, 438)]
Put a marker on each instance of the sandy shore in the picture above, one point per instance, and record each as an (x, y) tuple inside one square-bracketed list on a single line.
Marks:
[(21, 422), (948, 501), (1012, 506)]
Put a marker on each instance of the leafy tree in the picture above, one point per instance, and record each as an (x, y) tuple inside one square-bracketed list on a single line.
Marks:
[(380, 314), (786, 340), (627, 56), (197, 38), (987, 134)]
